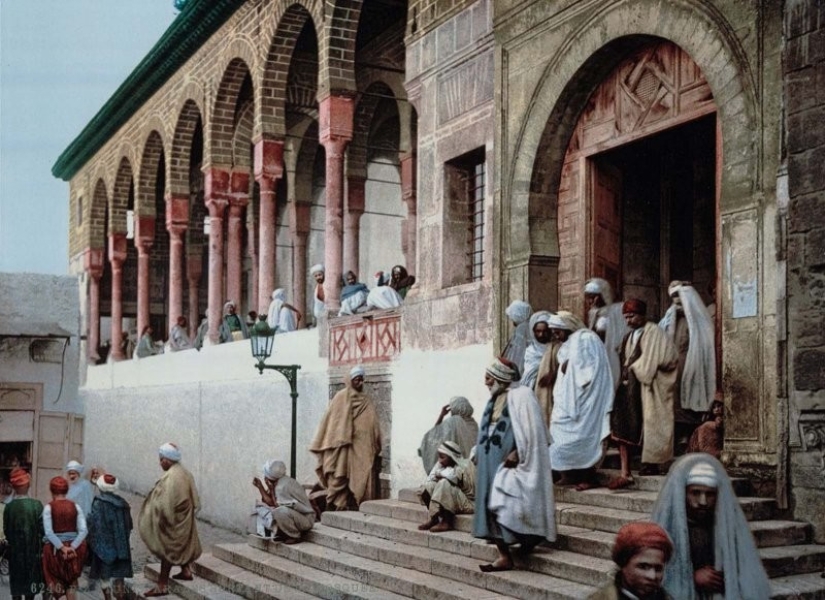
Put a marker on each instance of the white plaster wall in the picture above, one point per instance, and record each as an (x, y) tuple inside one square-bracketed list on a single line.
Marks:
[(27, 298), (380, 231), (423, 382), (227, 419)]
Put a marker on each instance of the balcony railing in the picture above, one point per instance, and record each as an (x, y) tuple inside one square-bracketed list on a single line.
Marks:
[(364, 338)]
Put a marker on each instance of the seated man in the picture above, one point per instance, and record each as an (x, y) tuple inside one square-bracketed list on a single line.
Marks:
[(282, 316), (641, 552), (353, 295), (449, 489), (714, 554), (178, 338), (284, 509), (232, 327)]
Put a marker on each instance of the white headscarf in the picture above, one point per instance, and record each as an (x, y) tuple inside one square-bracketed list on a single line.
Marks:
[(274, 469), (519, 313), (319, 268), (735, 552), (276, 316), (113, 485), (357, 371), (698, 385), (227, 305), (73, 465), (600, 286), (535, 349)]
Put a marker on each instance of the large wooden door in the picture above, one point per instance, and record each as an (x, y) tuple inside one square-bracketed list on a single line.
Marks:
[(60, 439), (606, 221)]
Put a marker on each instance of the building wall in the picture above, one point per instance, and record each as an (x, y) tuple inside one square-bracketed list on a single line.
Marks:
[(803, 224), (226, 417), (29, 301)]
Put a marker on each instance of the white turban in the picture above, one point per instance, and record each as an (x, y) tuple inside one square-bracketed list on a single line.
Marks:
[(675, 286), (170, 451), (319, 268), (357, 371), (500, 371), (556, 322), (108, 483), (518, 311), (600, 286), (74, 466), (702, 473), (279, 294), (227, 305), (450, 449), (565, 320), (274, 469)]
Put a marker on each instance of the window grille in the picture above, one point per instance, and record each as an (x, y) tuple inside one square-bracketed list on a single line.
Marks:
[(475, 195)]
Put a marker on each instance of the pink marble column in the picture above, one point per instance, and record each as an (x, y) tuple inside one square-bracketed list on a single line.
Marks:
[(269, 168), (216, 190), (117, 255), (234, 252), (177, 219), (252, 253), (93, 265), (335, 128), (408, 195), (193, 277), (144, 237), (352, 225), (299, 232)]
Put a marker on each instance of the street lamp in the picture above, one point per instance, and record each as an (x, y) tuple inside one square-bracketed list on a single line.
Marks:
[(262, 338)]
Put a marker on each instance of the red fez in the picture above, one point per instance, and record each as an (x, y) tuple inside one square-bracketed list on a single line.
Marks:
[(58, 485), (635, 306), (635, 537), (19, 478), (109, 479)]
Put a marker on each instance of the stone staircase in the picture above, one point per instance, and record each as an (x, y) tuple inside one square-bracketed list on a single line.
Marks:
[(379, 553)]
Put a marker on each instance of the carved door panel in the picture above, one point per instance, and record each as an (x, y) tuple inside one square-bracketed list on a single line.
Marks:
[(606, 222), (60, 438)]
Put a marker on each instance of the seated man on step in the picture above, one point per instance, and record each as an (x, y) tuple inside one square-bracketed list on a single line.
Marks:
[(284, 509), (449, 489)]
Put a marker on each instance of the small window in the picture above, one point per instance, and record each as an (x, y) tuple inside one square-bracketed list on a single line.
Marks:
[(465, 189)]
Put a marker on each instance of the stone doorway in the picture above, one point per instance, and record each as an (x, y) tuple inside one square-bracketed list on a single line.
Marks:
[(653, 214)]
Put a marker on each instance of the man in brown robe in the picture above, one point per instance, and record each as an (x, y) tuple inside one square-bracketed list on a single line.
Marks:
[(643, 408), (347, 443), (167, 520)]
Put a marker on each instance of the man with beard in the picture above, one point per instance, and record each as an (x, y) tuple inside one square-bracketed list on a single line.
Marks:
[(714, 554), (514, 504)]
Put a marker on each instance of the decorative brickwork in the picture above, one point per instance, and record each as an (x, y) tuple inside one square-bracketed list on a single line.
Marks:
[(368, 338)]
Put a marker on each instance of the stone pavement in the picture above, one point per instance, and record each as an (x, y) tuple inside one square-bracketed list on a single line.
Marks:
[(209, 535)]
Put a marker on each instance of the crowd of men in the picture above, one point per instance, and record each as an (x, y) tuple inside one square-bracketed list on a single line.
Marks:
[(562, 391)]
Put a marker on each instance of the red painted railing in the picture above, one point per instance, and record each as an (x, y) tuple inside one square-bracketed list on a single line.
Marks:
[(364, 338)]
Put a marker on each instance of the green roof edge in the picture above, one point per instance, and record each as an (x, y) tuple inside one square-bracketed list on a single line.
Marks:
[(191, 28)]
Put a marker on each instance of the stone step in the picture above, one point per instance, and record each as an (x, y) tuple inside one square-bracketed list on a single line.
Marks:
[(197, 589), (452, 575), (257, 575), (137, 586), (653, 483), (782, 543), (366, 578), (810, 586), (755, 509), (459, 556)]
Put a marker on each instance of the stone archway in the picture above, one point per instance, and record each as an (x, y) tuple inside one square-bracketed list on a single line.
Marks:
[(555, 95)]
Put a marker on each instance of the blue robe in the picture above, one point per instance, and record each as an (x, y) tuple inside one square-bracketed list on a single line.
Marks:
[(110, 523)]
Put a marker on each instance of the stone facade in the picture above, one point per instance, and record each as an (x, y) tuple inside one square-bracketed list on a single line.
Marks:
[(508, 130), (802, 230)]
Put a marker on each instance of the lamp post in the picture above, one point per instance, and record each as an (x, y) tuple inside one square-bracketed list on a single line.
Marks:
[(262, 338)]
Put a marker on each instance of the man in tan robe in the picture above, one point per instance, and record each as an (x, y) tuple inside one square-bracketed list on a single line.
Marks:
[(347, 443), (167, 520), (643, 408)]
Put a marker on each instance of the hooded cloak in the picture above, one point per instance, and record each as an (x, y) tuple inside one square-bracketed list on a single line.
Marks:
[(459, 427)]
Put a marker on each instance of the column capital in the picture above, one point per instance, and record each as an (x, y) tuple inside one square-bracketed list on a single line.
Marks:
[(93, 262), (216, 207), (144, 230), (239, 184), (176, 231), (177, 210), (215, 184), (269, 159), (117, 249), (336, 115)]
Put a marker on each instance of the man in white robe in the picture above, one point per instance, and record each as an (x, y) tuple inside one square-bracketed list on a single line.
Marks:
[(714, 553), (519, 313), (353, 295), (582, 401), (514, 495), (318, 307), (449, 489), (539, 335), (178, 338), (281, 314), (81, 491), (605, 318), (692, 331)]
